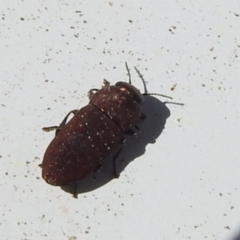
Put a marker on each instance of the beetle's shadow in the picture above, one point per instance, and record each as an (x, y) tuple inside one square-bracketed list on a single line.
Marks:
[(237, 236), (151, 128)]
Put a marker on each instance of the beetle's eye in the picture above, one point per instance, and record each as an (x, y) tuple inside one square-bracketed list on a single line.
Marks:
[(130, 88)]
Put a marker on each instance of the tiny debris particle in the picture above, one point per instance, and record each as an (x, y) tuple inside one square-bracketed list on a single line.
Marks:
[(227, 227), (72, 238), (173, 87), (22, 18), (237, 15)]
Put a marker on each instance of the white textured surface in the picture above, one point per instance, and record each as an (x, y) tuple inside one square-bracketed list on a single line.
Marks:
[(187, 184)]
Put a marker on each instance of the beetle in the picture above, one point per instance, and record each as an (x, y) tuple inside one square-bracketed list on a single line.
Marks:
[(96, 130)]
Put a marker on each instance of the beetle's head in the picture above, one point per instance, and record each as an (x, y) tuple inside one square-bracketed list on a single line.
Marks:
[(136, 94)]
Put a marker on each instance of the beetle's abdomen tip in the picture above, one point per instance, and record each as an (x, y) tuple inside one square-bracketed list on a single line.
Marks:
[(49, 179)]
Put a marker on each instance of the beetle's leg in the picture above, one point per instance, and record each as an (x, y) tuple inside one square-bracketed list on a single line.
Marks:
[(48, 129), (63, 123), (58, 128), (134, 131), (115, 172), (97, 168), (91, 92), (75, 188), (143, 116)]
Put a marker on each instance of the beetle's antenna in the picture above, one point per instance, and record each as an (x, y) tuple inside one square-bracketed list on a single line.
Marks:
[(143, 81), (157, 94), (175, 103), (129, 75), (145, 86)]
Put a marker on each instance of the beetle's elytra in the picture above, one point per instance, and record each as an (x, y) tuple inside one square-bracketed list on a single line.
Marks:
[(95, 131)]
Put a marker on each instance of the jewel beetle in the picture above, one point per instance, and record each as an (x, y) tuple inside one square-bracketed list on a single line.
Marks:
[(96, 130)]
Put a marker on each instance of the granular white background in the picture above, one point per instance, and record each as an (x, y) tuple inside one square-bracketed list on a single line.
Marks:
[(187, 184)]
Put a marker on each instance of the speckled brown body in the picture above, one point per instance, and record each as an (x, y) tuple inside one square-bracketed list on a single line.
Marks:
[(81, 145)]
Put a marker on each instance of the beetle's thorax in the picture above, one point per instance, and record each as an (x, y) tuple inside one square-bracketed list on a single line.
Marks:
[(119, 103)]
